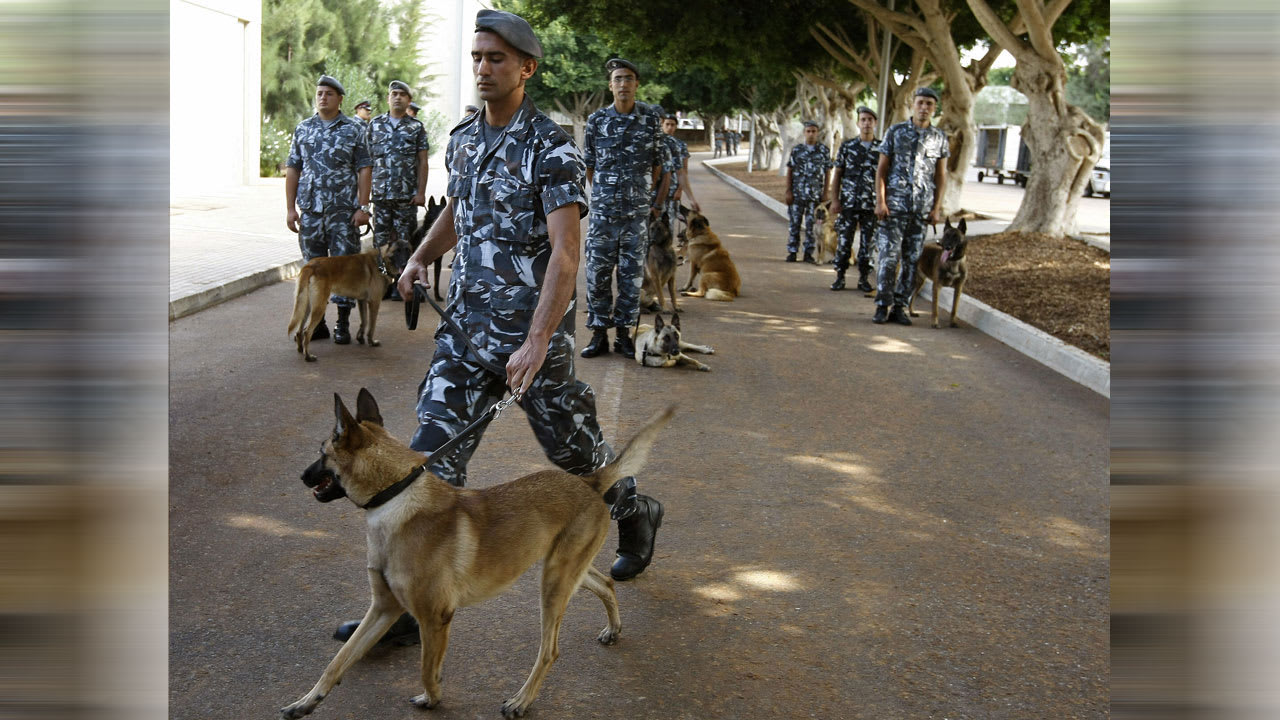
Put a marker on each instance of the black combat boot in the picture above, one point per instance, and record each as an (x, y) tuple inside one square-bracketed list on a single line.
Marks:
[(622, 344), (899, 315), (791, 257), (863, 284), (342, 329), (599, 343), (636, 535), (808, 257), (321, 332), (404, 631), (882, 314), (839, 283)]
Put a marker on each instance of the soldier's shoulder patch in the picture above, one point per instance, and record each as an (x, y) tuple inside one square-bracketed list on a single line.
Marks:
[(466, 122)]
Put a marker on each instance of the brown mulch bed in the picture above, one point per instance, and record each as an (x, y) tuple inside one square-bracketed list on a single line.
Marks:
[(1059, 285)]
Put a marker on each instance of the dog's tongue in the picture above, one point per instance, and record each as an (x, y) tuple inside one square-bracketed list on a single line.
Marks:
[(945, 254)]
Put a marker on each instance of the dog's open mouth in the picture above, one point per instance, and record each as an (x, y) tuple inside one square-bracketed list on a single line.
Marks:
[(323, 482)]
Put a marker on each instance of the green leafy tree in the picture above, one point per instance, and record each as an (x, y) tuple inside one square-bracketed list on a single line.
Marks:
[(1089, 78)]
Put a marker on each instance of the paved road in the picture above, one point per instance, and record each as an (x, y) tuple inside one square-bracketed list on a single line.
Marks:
[(862, 521)]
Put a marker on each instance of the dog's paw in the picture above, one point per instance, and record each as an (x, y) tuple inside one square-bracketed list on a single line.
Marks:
[(709, 351), (608, 636), (310, 357), (301, 708), (375, 343), (915, 314), (953, 324), (424, 701), (704, 368), (513, 709), (360, 337)]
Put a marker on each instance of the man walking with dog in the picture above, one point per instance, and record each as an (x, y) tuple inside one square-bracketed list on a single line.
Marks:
[(854, 203), (806, 185), (326, 187), (910, 179), (516, 197), (399, 146), (625, 158)]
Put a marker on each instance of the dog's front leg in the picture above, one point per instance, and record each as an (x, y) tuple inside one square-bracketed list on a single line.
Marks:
[(704, 349), (671, 290), (364, 311), (559, 581), (683, 359), (374, 304), (955, 302), (937, 290), (434, 632), (693, 273)]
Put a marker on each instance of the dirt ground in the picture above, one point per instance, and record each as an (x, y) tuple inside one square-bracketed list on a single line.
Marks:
[(1059, 285)]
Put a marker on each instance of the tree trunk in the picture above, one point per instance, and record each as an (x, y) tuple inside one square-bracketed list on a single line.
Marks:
[(1064, 142), (786, 139), (962, 134)]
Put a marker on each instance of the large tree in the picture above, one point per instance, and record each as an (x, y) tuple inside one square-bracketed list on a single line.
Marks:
[(1064, 141)]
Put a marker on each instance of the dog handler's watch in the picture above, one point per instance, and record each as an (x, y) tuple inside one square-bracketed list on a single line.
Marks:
[(364, 209)]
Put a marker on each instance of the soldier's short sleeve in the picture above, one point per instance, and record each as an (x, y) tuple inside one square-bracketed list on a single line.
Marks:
[(421, 142), (791, 159), (589, 145), (561, 176), (361, 157), (295, 153), (661, 153), (946, 146), (886, 147)]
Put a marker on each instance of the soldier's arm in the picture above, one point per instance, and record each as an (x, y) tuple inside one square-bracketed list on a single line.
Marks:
[(421, 197), (440, 239), (686, 188), (939, 185), (882, 172), (291, 198), (663, 188), (565, 235), (790, 195)]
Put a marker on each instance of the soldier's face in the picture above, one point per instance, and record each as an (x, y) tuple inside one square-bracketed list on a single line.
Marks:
[(498, 67), (363, 113), (922, 108), (669, 127), (623, 84), (867, 123), (810, 134), (398, 100), (327, 99)]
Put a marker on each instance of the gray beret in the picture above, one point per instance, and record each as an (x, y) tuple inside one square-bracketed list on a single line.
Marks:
[(511, 28), (397, 85), (616, 63), (867, 110), (414, 106), (362, 104), (927, 92), (331, 82), (810, 123)]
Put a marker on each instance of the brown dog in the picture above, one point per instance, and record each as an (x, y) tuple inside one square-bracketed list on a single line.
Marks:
[(434, 548), (945, 265), (659, 345), (828, 238), (707, 256), (659, 267), (363, 277)]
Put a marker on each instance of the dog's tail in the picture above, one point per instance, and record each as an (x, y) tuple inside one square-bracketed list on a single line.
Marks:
[(301, 302), (718, 294), (633, 456)]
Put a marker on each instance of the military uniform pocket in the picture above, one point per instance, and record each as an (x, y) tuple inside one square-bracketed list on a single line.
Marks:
[(513, 211)]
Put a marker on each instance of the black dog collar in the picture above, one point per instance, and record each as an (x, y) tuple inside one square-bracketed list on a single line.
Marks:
[(384, 496)]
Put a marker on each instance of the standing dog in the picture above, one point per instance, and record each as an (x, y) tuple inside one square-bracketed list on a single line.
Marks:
[(659, 267), (828, 238), (706, 255), (434, 548), (433, 211), (659, 345), (945, 265), (363, 277)]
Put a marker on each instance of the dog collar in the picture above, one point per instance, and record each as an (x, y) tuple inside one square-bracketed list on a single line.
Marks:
[(384, 496), (382, 268)]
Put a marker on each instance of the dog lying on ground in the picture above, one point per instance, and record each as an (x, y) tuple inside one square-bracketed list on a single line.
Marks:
[(659, 345), (363, 277), (659, 267), (945, 265), (434, 548), (828, 239), (707, 256)]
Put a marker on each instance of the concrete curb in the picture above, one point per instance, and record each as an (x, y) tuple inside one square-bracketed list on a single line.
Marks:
[(233, 289), (1071, 362)]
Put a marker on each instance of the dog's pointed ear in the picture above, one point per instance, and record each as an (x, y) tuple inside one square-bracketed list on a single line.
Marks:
[(342, 417), (675, 320), (367, 408), (657, 322), (947, 224), (963, 227)]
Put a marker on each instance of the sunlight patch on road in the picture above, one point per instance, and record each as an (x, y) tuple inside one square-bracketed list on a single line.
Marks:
[(274, 527), (886, 344), (808, 328), (1072, 535), (719, 591), (769, 580), (841, 466)]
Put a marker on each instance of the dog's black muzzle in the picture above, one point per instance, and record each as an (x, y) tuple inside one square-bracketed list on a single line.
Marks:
[(323, 482)]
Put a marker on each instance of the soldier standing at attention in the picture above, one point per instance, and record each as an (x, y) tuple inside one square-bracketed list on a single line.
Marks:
[(516, 196), (806, 184), (363, 111), (910, 178), (399, 147), (680, 177), (625, 158), (414, 109), (854, 205), (326, 189)]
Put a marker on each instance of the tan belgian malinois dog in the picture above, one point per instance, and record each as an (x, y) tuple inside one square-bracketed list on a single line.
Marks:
[(434, 548), (707, 256), (363, 277), (946, 266)]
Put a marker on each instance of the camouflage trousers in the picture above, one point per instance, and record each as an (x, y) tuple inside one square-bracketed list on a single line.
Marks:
[(615, 243), (899, 240), (398, 215), (801, 211), (851, 220), (328, 234), (560, 409)]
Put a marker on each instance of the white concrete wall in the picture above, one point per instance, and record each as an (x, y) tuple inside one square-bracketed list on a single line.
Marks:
[(446, 52), (215, 91)]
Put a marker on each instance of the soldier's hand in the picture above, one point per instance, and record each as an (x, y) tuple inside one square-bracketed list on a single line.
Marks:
[(696, 207), (524, 365), (414, 271), (291, 219), (882, 210), (789, 197), (935, 216), (419, 199), (359, 217)]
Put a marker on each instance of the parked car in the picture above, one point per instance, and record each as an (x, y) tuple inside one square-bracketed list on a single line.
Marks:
[(1100, 179)]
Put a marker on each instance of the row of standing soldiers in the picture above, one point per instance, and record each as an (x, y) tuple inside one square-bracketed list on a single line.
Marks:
[(726, 142)]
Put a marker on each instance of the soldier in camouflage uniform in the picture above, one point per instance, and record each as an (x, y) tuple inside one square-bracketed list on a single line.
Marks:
[(399, 146), (855, 202), (516, 196), (327, 178), (806, 184), (679, 171), (910, 179), (364, 113), (625, 158)]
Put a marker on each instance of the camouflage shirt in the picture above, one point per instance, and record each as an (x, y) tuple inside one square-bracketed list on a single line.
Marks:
[(808, 165), (857, 162), (395, 145), (622, 151), (678, 152), (502, 196), (913, 160), (328, 157)]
